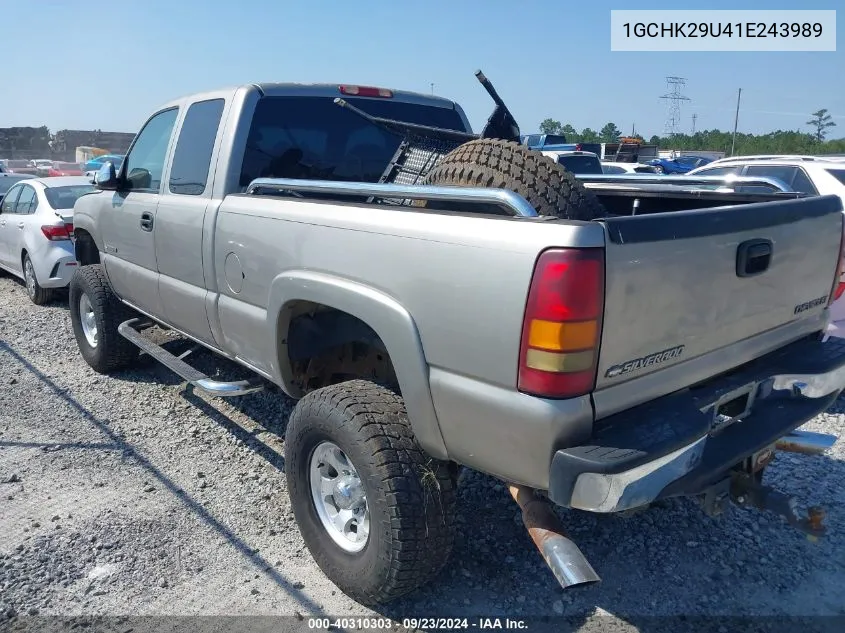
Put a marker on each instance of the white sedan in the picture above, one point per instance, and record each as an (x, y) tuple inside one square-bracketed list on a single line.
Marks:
[(36, 225)]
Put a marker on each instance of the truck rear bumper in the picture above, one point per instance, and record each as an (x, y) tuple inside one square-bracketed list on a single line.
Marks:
[(683, 443)]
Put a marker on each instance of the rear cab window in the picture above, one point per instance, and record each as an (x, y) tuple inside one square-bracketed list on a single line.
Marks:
[(580, 164), (313, 138)]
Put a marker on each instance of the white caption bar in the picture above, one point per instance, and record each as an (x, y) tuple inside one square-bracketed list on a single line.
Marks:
[(669, 30)]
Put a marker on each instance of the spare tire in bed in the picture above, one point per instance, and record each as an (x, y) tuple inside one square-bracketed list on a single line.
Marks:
[(549, 188)]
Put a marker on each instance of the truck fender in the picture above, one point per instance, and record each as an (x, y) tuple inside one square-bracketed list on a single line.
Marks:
[(390, 320)]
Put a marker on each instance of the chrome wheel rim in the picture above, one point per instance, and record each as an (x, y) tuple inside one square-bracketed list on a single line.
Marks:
[(339, 497), (88, 320), (29, 277)]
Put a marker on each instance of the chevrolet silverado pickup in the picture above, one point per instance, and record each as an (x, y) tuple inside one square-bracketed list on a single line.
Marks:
[(598, 344)]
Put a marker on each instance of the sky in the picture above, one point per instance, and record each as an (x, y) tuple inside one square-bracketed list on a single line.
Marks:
[(108, 65)]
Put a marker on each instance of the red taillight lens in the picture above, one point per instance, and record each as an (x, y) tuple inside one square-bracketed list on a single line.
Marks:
[(578, 147), (562, 324), (57, 232), (838, 285), (365, 91)]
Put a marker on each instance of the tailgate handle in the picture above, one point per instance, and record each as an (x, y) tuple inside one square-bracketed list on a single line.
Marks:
[(753, 257)]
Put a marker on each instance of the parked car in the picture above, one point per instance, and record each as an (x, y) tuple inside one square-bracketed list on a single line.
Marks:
[(9, 179), (18, 166), (95, 163), (628, 168), (576, 162), (36, 225), (504, 321), (678, 165), (65, 169), (810, 175)]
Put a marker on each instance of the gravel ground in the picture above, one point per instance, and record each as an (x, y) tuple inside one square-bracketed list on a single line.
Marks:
[(125, 496)]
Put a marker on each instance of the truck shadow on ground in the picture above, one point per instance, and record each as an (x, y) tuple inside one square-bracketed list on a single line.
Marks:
[(114, 441), (668, 567)]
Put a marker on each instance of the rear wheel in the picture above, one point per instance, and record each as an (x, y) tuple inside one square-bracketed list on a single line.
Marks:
[(95, 314), (549, 188), (38, 295), (374, 510)]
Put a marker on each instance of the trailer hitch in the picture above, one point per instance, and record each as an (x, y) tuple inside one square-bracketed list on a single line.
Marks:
[(746, 492)]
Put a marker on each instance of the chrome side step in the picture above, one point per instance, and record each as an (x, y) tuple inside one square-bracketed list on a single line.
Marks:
[(129, 331)]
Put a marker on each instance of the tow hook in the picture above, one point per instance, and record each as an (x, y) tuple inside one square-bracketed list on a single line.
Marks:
[(746, 492), (561, 554)]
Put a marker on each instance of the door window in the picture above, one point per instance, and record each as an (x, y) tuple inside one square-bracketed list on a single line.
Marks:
[(144, 165), (192, 158), (10, 199), (27, 201)]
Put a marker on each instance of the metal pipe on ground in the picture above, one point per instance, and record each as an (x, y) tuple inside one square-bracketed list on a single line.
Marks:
[(563, 557)]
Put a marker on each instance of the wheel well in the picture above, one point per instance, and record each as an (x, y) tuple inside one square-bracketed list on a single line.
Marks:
[(86, 249), (23, 256), (326, 346)]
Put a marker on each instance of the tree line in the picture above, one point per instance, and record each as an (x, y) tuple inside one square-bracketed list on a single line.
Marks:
[(777, 142)]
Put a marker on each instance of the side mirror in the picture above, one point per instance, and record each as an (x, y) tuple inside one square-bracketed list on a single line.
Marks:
[(106, 177)]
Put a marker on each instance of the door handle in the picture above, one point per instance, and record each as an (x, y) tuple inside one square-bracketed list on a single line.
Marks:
[(753, 257), (20, 225), (147, 221)]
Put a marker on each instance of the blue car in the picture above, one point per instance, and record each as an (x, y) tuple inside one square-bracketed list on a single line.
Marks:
[(95, 163), (679, 164)]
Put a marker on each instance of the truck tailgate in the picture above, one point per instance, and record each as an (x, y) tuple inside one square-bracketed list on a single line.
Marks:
[(679, 285)]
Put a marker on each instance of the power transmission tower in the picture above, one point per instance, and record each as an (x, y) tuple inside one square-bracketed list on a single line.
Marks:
[(674, 96), (694, 117)]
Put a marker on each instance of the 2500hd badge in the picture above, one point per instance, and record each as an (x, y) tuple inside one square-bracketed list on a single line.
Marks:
[(645, 361)]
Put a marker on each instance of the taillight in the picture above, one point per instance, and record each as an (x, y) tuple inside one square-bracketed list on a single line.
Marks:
[(838, 287), (562, 324), (365, 91), (56, 233), (578, 147)]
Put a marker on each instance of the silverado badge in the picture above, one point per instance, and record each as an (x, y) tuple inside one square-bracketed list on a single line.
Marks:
[(646, 361)]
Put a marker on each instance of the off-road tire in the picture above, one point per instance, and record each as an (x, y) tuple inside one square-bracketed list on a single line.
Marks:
[(38, 295), (112, 351), (549, 188), (410, 496)]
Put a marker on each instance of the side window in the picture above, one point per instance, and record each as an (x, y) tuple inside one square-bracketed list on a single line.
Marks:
[(803, 183), (27, 201), (719, 171), (784, 173), (192, 158), (10, 199), (145, 163)]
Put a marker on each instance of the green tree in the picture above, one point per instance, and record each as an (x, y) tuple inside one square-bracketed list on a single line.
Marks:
[(822, 121), (550, 126), (589, 136), (610, 133), (570, 133)]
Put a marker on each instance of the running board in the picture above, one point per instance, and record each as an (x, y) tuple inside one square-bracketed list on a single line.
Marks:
[(129, 331)]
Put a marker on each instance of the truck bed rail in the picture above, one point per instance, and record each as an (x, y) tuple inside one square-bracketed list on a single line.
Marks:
[(730, 181), (511, 202)]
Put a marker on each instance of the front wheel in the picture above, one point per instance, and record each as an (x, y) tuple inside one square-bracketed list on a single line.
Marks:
[(374, 510), (38, 295), (95, 314)]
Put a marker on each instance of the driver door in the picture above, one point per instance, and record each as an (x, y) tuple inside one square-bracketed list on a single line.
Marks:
[(8, 224), (129, 223)]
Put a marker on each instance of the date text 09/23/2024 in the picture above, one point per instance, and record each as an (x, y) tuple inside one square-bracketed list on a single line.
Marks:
[(440, 624)]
